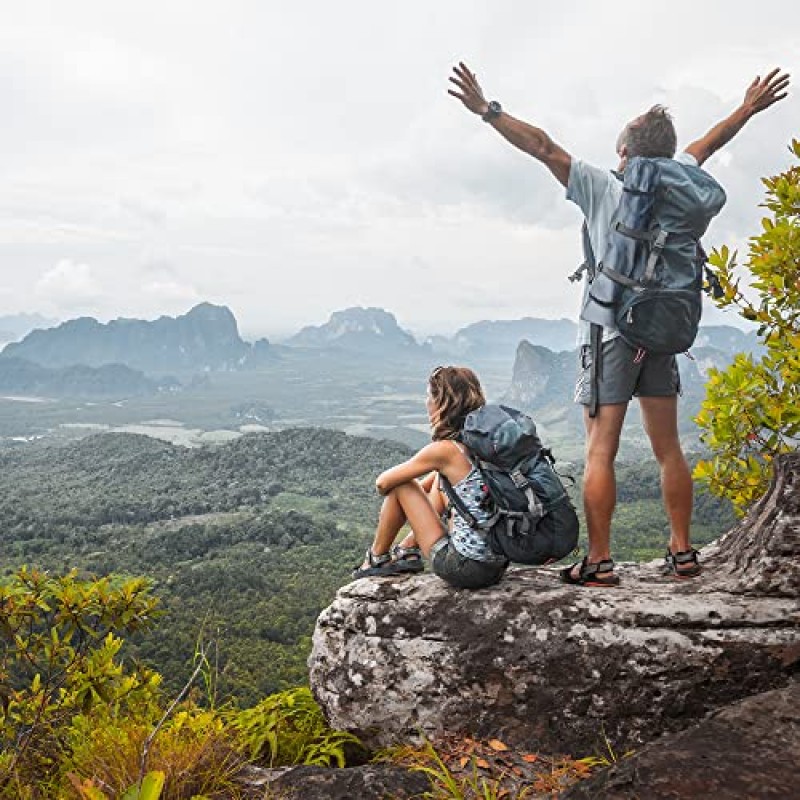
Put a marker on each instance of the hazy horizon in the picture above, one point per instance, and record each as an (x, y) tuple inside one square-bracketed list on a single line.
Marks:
[(419, 334)]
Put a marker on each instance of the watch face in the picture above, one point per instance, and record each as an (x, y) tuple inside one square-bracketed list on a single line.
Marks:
[(494, 107)]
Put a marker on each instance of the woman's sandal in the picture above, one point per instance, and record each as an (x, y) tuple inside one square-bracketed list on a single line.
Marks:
[(378, 565), (591, 574), (674, 564), (407, 559)]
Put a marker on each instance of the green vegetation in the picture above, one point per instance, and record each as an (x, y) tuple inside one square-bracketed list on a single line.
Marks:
[(752, 409), (79, 721)]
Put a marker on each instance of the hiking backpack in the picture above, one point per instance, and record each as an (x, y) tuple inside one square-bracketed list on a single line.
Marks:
[(532, 518), (648, 281)]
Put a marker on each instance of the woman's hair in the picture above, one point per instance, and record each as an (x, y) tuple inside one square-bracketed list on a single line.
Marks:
[(454, 392)]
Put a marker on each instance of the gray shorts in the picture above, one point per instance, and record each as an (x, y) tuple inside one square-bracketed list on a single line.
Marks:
[(622, 378), (463, 572)]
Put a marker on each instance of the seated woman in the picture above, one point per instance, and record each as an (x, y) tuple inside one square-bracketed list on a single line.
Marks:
[(458, 554)]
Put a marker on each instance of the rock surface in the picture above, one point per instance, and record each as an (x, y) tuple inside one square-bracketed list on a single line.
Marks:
[(750, 749), (370, 782), (557, 669)]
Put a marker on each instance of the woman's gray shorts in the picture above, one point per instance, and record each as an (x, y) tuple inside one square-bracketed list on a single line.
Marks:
[(622, 377), (463, 572)]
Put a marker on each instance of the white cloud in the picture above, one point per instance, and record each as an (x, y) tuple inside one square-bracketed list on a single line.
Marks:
[(69, 286)]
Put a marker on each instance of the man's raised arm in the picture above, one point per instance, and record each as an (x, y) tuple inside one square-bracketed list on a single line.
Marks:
[(760, 94), (527, 138)]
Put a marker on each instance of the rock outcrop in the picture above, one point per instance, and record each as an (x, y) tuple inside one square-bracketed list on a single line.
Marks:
[(540, 376), (560, 669), (749, 749)]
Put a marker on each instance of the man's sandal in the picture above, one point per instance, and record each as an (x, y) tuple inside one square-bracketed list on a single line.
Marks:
[(600, 573), (675, 564), (407, 559)]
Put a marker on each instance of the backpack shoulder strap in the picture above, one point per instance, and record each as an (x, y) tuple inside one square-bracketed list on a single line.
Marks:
[(456, 502)]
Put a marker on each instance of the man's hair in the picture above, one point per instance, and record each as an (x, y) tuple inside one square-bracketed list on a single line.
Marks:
[(455, 391), (652, 135)]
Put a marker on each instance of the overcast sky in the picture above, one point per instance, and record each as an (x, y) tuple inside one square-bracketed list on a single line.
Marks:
[(291, 159)]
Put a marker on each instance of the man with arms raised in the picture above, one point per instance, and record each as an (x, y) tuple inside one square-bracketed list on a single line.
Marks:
[(652, 378)]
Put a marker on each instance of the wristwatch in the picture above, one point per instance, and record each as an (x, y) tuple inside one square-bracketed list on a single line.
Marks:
[(493, 111)]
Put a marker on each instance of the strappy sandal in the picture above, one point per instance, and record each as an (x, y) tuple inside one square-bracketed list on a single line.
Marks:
[(591, 574), (674, 564), (378, 565), (407, 559)]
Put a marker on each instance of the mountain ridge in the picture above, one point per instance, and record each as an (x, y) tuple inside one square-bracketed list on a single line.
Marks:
[(206, 338)]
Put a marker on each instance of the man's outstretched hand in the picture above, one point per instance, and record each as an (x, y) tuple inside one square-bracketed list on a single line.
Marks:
[(762, 93), (470, 92)]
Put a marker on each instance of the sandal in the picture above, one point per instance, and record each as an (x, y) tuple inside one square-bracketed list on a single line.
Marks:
[(674, 564), (407, 559), (378, 565), (591, 574)]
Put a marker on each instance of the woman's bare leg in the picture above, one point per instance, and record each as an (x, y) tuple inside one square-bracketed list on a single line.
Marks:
[(408, 502), (430, 485)]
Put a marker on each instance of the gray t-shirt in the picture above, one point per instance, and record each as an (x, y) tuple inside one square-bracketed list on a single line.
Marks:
[(597, 193)]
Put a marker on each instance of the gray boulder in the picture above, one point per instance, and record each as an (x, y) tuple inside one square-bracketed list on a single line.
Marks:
[(561, 669), (749, 749)]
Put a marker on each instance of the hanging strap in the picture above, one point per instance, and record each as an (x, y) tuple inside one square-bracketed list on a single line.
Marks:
[(596, 349), (589, 265)]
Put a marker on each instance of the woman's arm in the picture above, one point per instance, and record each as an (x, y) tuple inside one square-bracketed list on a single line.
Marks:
[(433, 456)]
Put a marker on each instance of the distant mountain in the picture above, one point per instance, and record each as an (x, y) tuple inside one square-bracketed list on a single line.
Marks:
[(204, 339), (499, 338), (727, 338), (21, 377), (367, 330), (541, 377), (15, 326)]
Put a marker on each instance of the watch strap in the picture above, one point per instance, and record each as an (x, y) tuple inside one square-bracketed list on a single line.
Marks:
[(494, 110)]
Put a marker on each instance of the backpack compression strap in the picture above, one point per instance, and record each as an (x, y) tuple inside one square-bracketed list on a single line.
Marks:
[(656, 239), (589, 264)]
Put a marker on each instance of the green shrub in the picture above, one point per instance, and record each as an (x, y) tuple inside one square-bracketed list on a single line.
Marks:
[(289, 728), (59, 659), (193, 750), (751, 412)]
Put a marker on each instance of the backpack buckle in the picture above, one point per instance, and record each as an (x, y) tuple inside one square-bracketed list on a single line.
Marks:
[(520, 481)]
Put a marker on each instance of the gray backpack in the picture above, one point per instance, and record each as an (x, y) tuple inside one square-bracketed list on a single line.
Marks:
[(532, 519), (648, 282)]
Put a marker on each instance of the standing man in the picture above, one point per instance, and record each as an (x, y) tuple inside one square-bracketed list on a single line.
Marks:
[(653, 379)]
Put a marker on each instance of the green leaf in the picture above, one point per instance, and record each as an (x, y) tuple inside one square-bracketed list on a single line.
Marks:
[(151, 787)]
